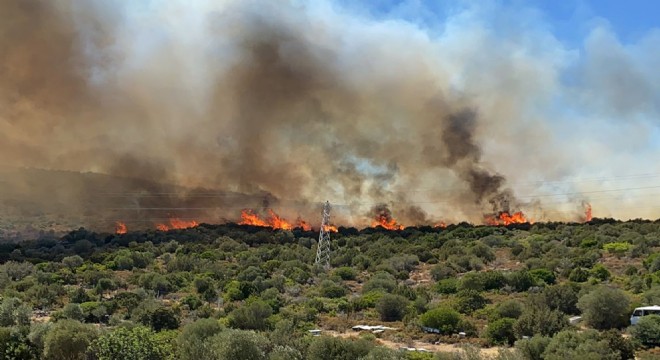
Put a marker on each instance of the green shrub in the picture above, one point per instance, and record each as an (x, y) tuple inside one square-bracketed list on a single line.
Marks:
[(441, 272), (533, 348), (447, 286), (467, 301), (392, 307), (346, 273), (501, 332), (579, 275), (605, 308), (509, 309), (252, 316), (600, 272), (570, 344), (444, 319), (647, 330), (617, 248), (543, 275)]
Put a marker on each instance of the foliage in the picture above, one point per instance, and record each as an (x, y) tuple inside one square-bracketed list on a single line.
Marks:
[(191, 342), (605, 308), (238, 344), (501, 332), (647, 330), (251, 316), (444, 319), (392, 307), (135, 343), (586, 345), (332, 348), (468, 301), (68, 340)]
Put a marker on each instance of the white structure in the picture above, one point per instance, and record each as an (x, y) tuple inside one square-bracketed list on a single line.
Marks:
[(643, 311)]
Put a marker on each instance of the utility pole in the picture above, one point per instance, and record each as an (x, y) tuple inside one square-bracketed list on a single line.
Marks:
[(323, 250)]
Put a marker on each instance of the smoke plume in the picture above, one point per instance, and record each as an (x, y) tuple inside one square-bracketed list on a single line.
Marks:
[(292, 102)]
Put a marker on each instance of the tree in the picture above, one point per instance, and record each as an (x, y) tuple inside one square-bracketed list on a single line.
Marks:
[(14, 344), (68, 340), (392, 307), (73, 311), (238, 344), (605, 308), (444, 319), (561, 297), (251, 317), (72, 262), (587, 345), (647, 330), (137, 343), (333, 348), (192, 342), (469, 300), (501, 332), (533, 348), (539, 320), (163, 319), (509, 309)]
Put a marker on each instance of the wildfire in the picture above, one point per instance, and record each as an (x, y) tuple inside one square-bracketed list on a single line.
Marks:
[(329, 228), (504, 218), (387, 222), (303, 224), (249, 217), (587, 212), (175, 223), (441, 225), (120, 228)]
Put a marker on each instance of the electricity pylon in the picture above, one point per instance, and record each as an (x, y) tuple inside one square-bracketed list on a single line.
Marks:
[(323, 250)]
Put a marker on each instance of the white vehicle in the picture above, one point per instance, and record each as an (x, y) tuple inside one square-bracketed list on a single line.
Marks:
[(643, 311)]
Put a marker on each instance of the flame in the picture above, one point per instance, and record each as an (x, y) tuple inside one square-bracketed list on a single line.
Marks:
[(278, 222), (248, 217), (441, 224), (587, 212), (303, 224), (120, 228), (504, 218), (387, 222), (329, 228), (176, 223)]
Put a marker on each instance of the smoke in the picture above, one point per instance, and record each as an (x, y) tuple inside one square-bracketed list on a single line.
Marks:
[(293, 102)]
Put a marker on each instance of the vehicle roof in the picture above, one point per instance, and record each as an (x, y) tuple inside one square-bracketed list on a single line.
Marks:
[(654, 307)]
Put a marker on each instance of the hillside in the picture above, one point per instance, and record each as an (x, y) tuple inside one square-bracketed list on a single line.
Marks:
[(483, 287)]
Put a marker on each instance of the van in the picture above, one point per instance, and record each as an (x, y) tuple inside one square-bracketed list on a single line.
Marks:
[(643, 311)]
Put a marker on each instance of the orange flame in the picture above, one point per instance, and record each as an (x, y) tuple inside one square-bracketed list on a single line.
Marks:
[(303, 224), (278, 222), (329, 228), (504, 218), (587, 212), (120, 228), (248, 217), (387, 222), (177, 224), (441, 224)]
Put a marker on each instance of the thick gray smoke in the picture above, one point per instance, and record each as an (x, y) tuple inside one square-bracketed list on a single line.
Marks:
[(302, 101)]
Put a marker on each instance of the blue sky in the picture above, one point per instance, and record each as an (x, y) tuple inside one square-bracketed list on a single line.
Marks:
[(570, 20)]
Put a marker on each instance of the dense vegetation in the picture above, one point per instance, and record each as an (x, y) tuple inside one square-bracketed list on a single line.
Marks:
[(235, 292)]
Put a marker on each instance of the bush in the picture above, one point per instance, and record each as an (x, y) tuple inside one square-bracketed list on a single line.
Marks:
[(441, 272), (561, 297), (618, 343), (501, 332), (346, 273), (191, 342), (578, 275), (68, 340), (600, 272), (533, 348), (238, 344), (605, 308), (509, 309), (543, 275), (330, 348), (647, 330), (332, 290), (539, 320), (251, 317), (444, 319), (469, 300), (136, 343), (392, 307), (447, 286), (587, 345), (520, 280), (617, 248)]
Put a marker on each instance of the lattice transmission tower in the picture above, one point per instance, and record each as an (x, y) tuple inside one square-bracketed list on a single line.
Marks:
[(323, 250)]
